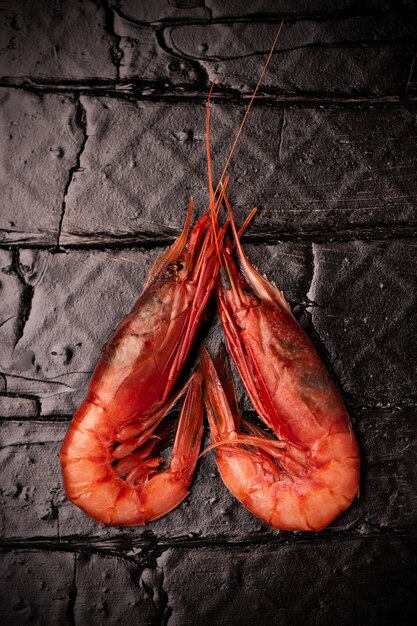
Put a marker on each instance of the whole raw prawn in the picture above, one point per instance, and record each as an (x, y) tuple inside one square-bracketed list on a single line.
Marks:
[(108, 457), (308, 475)]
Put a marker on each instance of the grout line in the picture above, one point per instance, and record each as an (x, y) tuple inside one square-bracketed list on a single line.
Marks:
[(151, 241), (137, 90), (265, 538)]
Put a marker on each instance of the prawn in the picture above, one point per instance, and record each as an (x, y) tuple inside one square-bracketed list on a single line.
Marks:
[(309, 473), (108, 457)]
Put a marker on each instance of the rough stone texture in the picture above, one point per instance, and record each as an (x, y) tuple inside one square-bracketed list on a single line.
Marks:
[(310, 170), (36, 165), (30, 580), (244, 585), (166, 10), (229, 8), (114, 591), (163, 9), (31, 480), (87, 589), (65, 40), (373, 63), (10, 406), (143, 57), (364, 293), (104, 121)]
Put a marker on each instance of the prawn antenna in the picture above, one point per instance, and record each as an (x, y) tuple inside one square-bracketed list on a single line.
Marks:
[(213, 212), (255, 91)]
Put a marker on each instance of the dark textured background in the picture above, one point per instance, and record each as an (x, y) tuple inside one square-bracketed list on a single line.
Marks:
[(103, 142)]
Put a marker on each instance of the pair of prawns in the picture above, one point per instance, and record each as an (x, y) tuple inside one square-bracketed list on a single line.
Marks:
[(110, 457), (299, 482)]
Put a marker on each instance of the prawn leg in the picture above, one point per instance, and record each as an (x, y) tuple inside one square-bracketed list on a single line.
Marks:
[(246, 462)]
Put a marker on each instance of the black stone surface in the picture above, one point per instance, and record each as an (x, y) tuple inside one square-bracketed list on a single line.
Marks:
[(102, 106)]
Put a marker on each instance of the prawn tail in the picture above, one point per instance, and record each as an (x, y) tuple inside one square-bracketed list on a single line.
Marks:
[(189, 431), (226, 424), (219, 396), (167, 489)]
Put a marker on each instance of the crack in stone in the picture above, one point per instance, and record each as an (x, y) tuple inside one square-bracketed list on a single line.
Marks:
[(310, 295), (72, 596), (150, 241), (48, 381), (281, 138), (124, 545), (410, 74), (21, 396), (168, 611), (81, 122), (201, 73), (261, 16), (312, 332), (344, 44), (152, 577), (26, 298), (116, 53), (132, 20), (12, 317)]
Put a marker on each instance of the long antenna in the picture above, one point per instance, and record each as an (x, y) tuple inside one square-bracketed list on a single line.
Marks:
[(210, 176), (249, 105)]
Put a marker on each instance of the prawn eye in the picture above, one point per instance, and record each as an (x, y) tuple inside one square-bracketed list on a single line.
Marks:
[(174, 268), (254, 300)]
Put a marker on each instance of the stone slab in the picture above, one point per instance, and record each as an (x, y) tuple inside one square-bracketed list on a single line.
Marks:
[(166, 10), (377, 59), (36, 587), (65, 588), (60, 41), (364, 309), (309, 170), (344, 581), (41, 141)]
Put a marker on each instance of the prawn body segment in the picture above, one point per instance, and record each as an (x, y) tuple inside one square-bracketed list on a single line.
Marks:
[(109, 456)]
